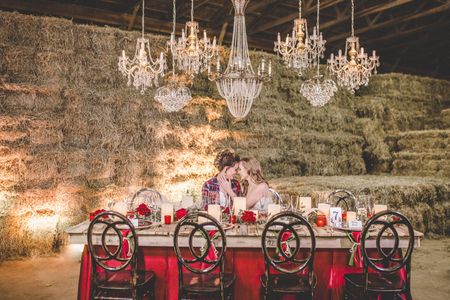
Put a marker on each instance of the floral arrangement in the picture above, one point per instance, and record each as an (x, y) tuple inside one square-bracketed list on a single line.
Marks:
[(92, 215), (181, 213), (248, 217), (143, 210)]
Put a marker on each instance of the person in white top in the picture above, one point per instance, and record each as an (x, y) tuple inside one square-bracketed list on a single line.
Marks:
[(254, 186)]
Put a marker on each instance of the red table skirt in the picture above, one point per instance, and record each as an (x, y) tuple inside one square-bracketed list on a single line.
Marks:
[(330, 265)]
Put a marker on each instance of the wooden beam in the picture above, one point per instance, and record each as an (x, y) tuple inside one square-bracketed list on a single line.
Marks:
[(392, 22), (133, 16), (364, 13), (85, 13), (268, 9), (292, 16), (223, 31)]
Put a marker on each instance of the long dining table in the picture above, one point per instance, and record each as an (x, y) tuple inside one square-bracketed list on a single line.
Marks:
[(244, 258)]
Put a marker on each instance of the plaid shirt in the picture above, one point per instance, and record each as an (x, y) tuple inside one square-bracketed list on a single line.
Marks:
[(211, 189)]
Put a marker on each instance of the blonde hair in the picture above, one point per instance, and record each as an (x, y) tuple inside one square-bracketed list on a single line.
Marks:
[(253, 168)]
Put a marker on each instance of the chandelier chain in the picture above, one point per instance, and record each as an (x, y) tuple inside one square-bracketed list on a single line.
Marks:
[(192, 10), (300, 9), (353, 18), (318, 32), (143, 6)]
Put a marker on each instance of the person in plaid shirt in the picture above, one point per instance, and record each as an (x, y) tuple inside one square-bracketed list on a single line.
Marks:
[(223, 186)]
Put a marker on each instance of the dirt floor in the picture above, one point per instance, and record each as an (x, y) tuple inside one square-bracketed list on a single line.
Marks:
[(57, 277)]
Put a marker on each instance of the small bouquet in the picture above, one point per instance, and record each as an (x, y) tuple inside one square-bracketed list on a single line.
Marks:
[(143, 210), (92, 215), (248, 217)]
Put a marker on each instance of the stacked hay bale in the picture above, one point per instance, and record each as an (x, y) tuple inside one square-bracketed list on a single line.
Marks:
[(73, 136)]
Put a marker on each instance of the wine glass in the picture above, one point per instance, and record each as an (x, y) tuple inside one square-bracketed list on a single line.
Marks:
[(361, 208)]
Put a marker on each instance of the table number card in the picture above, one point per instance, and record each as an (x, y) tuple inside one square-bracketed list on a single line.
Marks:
[(335, 216)]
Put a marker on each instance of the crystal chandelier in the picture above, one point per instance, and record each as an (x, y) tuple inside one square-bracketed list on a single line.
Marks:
[(173, 96), (318, 91), (142, 71), (354, 71), (316, 43), (193, 55), (239, 84), (295, 49)]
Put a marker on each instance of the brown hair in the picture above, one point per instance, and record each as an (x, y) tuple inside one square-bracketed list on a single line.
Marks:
[(253, 168), (226, 158)]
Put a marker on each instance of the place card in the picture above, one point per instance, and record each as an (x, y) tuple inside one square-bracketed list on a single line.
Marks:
[(305, 203), (379, 208), (187, 201), (166, 210), (325, 209), (335, 216), (239, 204), (215, 211), (351, 216), (273, 209), (355, 224)]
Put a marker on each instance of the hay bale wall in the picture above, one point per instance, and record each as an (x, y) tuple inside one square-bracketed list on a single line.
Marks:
[(73, 136)]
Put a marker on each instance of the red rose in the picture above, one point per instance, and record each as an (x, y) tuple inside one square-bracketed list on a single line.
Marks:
[(179, 214), (143, 209), (226, 211), (92, 215), (248, 216), (286, 236)]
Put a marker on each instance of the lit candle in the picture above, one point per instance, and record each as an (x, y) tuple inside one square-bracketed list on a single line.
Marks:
[(351, 216), (215, 211), (120, 207), (240, 204), (270, 67), (187, 201), (325, 209), (305, 203), (273, 209), (202, 219), (123, 53), (279, 38), (379, 208), (166, 210)]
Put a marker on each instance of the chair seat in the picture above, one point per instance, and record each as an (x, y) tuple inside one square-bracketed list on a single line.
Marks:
[(121, 280), (206, 283), (287, 283), (387, 283)]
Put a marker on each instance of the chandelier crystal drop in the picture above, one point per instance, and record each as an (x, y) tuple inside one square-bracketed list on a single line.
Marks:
[(295, 50), (317, 91), (174, 95), (142, 71), (193, 55), (239, 84), (353, 68)]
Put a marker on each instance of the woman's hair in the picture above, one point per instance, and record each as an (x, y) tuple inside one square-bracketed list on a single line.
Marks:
[(226, 158), (253, 168)]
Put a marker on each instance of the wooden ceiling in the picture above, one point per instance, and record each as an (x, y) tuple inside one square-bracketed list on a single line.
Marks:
[(411, 36)]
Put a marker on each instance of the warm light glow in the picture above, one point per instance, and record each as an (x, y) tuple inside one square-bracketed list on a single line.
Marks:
[(42, 223)]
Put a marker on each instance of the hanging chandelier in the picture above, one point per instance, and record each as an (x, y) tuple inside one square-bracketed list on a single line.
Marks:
[(142, 71), (316, 43), (295, 49), (174, 95), (317, 91), (239, 84), (193, 55), (354, 68)]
